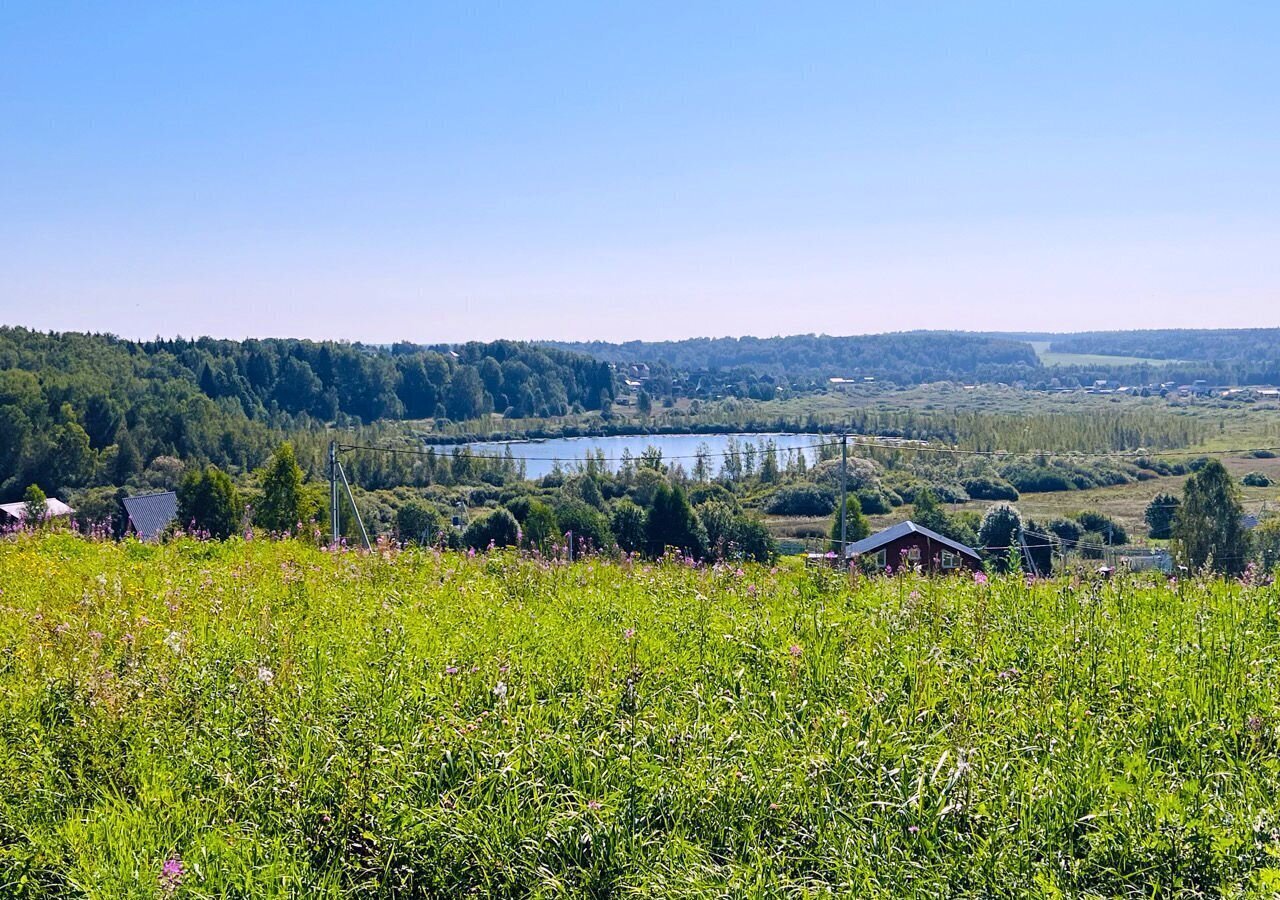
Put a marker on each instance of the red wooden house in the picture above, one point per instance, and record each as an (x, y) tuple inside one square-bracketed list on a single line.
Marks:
[(914, 545)]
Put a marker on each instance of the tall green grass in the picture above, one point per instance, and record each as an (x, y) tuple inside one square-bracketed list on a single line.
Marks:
[(279, 721)]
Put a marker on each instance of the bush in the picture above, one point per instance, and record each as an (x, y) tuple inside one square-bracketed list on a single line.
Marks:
[(1256, 479), (1112, 531), (418, 523), (801, 500), (984, 488), (498, 528)]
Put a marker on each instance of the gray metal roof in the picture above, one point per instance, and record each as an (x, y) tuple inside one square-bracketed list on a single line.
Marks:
[(150, 514), (52, 507), (902, 529)]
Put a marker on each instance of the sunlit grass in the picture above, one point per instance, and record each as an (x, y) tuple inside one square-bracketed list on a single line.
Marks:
[(279, 721)]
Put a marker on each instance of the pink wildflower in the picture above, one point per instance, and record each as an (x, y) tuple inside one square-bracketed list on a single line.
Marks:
[(979, 577), (171, 874)]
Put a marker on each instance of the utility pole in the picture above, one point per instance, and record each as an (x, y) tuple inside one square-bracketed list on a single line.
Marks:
[(844, 472), (335, 524)]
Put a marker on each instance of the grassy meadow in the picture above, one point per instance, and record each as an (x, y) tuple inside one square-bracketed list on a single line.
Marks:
[(260, 719)]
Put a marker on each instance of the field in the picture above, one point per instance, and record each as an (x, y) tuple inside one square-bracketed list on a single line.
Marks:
[(1052, 358), (260, 719)]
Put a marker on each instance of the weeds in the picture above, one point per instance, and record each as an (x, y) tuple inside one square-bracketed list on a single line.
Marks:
[(265, 719)]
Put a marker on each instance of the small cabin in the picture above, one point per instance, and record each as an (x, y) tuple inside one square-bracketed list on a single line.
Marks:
[(909, 544), (16, 513)]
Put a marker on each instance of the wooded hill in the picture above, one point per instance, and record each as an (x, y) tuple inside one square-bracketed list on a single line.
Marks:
[(78, 408)]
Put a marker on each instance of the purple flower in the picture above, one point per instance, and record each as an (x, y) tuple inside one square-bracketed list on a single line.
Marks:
[(629, 634), (171, 874), (451, 670), (979, 577), (795, 650)]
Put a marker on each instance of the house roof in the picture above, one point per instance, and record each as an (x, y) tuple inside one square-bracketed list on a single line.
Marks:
[(52, 507), (150, 514), (902, 529)]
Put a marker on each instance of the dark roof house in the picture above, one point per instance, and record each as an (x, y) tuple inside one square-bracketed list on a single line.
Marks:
[(150, 514), (914, 545)]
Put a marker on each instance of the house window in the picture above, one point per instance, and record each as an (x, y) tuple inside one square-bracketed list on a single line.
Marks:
[(913, 554), (880, 559), (950, 560)]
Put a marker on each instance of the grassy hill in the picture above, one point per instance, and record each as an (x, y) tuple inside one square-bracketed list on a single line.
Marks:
[(267, 720)]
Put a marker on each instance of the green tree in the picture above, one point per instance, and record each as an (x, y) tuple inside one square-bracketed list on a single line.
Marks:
[(1267, 540), (418, 522), (856, 525), (1208, 527), (465, 398), (671, 523), (499, 529), (629, 526), (283, 505), (587, 524), (540, 526), (1113, 532), (1001, 531), (1160, 515), (35, 509), (209, 502)]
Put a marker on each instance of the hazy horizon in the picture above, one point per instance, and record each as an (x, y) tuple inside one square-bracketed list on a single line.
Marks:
[(1012, 334), (437, 175)]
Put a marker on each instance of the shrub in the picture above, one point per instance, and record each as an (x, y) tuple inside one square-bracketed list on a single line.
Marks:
[(1112, 531), (1256, 479), (417, 522), (801, 500), (985, 488), (498, 528)]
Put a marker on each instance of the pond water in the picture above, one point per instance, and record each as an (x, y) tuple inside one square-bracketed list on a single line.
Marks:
[(541, 456)]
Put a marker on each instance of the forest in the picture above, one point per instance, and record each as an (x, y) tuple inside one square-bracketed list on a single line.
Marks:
[(80, 409)]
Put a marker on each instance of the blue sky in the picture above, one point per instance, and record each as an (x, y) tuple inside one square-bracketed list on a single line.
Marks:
[(470, 171)]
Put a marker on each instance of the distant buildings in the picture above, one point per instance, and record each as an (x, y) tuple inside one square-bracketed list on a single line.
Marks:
[(150, 514), (16, 513)]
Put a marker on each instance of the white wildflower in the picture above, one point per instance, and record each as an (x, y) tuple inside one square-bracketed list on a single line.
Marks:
[(265, 675), (173, 641), (500, 691)]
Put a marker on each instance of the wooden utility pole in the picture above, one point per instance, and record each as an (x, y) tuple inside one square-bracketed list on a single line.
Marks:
[(844, 472)]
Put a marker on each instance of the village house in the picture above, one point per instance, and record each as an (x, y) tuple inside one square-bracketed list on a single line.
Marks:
[(16, 513), (914, 545)]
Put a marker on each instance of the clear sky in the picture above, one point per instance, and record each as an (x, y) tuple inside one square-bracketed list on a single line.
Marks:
[(445, 172)]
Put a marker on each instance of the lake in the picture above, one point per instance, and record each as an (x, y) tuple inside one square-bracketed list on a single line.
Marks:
[(541, 456)]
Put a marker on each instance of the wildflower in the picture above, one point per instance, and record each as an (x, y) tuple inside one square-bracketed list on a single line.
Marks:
[(629, 634), (795, 651), (500, 691), (979, 577), (266, 676), (1255, 724), (593, 804), (173, 641), (171, 874), (95, 635), (451, 670), (914, 829)]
